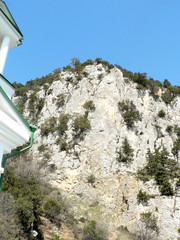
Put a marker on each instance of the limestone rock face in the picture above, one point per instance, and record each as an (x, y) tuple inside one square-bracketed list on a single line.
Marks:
[(111, 196)]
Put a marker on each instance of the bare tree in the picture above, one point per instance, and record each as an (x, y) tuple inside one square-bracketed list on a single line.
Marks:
[(10, 228), (147, 227)]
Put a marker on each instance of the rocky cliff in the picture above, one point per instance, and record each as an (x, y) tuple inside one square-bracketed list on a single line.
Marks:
[(89, 148)]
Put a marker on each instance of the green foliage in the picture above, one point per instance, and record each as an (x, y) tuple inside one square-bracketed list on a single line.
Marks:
[(154, 87), (85, 74), (67, 68), (91, 179), (161, 114), (176, 147), (177, 130), (140, 78), (148, 228), (62, 143), (150, 221), (125, 154), (166, 83), (79, 77), (175, 90), (104, 63), (63, 123), (35, 104), (21, 108), (100, 76), (89, 105), (178, 183), (167, 97), (75, 62), (78, 68), (49, 126), (42, 148), (27, 195), (56, 237), (87, 63), (142, 197), (47, 156), (129, 112), (162, 168), (169, 129), (81, 125), (60, 100), (91, 232), (21, 91), (166, 188), (52, 209)]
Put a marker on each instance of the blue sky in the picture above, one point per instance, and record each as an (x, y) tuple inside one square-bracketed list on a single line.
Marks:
[(139, 35)]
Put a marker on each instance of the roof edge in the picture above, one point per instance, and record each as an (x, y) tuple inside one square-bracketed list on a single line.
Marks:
[(14, 25), (15, 109), (7, 81)]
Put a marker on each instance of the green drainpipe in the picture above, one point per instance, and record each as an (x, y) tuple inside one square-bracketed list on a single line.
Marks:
[(33, 129)]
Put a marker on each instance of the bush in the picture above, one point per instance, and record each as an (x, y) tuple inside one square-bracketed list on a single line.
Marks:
[(142, 197), (89, 105), (85, 74), (178, 183), (162, 168), (100, 76), (79, 77), (166, 189), (129, 112), (10, 227), (91, 232), (148, 229), (63, 145), (166, 83), (63, 123), (81, 125), (49, 126), (41, 148), (177, 130), (167, 97), (27, 195), (126, 152), (56, 237), (75, 62), (140, 78), (88, 62), (169, 129), (52, 209), (60, 100), (176, 148), (175, 90), (91, 179), (161, 114)]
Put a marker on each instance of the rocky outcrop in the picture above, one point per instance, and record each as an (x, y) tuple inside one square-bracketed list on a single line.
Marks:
[(86, 169)]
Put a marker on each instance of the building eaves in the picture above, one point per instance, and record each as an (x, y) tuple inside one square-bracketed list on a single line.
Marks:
[(4, 9), (7, 81), (14, 108)]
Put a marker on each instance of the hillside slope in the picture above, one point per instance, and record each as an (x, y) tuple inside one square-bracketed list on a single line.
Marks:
[(94, 131)]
